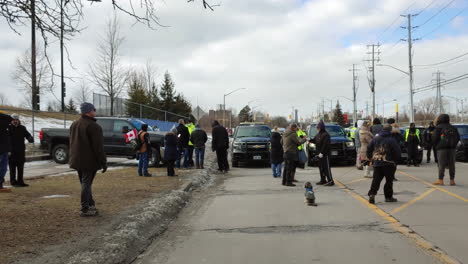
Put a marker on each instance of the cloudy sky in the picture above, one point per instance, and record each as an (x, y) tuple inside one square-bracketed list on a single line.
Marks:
[(287, 53)]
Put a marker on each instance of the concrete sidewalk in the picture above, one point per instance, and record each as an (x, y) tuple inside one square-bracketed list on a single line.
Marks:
[(252, 218)]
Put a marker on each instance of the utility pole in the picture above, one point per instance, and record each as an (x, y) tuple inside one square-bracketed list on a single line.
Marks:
[(410, 62), (438, 81), (354, 93), (375, 58)]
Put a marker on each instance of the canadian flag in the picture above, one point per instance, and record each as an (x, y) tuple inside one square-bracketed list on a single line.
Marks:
[(133, 134)]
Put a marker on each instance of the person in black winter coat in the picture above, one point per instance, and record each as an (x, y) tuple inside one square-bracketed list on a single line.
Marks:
[(183, 138), (18, 151), (322, 142), (220, 144), (384, 152), (376, 126), (276, 154), (5, 147), (427, 138), (199, 139), (445, 138), (170, 151)]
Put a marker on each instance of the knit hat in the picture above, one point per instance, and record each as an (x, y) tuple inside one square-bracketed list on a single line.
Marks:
[(321, 125), (15, 116), (87, 108)]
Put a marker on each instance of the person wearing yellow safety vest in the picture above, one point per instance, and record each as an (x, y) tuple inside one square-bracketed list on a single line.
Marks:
[(191, 127), (352, 133), (412, 140), (300, 134)]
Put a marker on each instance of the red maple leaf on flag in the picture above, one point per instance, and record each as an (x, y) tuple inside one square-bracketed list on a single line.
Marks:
[(132, 134)]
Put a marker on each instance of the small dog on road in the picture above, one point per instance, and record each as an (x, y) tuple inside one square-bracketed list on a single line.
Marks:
[(309, 194)]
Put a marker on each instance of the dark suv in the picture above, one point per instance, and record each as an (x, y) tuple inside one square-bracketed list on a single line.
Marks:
[(251, 143), (341, 148), (462, 147)]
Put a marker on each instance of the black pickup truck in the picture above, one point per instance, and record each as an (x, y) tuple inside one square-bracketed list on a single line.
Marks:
[(56, 140)]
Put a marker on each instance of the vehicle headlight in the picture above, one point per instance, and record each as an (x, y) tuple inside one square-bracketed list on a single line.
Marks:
[(237, 145), (459, 143), (420, 148), (350, 144), (311, 145)]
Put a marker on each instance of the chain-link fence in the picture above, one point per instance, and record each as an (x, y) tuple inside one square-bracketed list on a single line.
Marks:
[(125, 108)]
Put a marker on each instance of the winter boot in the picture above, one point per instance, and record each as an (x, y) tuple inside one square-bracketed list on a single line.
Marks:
[(201, 165), (452, 183), (439, 182), (372, 199), (197, 165)]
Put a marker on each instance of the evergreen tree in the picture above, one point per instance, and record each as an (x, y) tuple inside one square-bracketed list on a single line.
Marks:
[(245, 114), (137, 95), (181, 106), (155, 102), (167, 93), (71, 107), (338, 115)]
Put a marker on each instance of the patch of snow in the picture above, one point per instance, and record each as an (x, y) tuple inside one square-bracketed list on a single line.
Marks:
[(55, 196), (40, 123)]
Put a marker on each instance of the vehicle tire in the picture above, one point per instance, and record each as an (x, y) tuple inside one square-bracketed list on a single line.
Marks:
[(235, 164), (155, 159), (60, 154)]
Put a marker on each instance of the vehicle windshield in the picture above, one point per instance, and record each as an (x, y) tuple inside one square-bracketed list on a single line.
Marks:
[(334, 131), (463, 130), (254, 131), (138, 123)]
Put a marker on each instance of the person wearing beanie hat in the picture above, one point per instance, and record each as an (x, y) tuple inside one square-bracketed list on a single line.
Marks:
[(5, 121), (18, 134), (385, 152), (87, 154), (322, 142)]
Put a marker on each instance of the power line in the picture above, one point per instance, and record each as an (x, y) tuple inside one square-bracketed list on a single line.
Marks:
[(443, 24), (394, 21), (437, 13), (442, 62), (429, 5), (445, 82)]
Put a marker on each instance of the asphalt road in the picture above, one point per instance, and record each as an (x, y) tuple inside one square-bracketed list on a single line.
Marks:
[(251, 218)]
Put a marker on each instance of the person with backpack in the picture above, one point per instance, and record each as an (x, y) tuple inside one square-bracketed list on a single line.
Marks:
[(384, 152), (445, 138), (427, 136), (412, 141), (144, 152), (199, 139)]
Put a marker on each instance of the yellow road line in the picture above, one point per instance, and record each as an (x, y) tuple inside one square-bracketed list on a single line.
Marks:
[(357, 180), (433, 186), (427, 246), (413, 201)]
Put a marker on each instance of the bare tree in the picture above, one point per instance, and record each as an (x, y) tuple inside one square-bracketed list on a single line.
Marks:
[(150, 75), (22, 75), (106, 71), (3, 99), (83, 94), (427, 108)]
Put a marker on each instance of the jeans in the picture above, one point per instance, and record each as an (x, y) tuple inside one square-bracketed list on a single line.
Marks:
[(185, 153), (199, 155), (276, 168), (143, 163), (3, 166), (86, 180), (387, 172)]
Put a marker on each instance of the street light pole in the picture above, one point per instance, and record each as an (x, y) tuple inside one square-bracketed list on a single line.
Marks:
[(224, 104)]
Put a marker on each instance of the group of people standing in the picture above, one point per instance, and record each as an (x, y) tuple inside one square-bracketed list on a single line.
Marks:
[(13, 150), (287, 149)]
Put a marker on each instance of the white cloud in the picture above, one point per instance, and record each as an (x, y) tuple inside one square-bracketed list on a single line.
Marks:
[(286, 53)]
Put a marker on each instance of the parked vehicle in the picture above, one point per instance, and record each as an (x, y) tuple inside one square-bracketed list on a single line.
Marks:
[(251, 143), (56, 141), (462, 147), (342, 148)]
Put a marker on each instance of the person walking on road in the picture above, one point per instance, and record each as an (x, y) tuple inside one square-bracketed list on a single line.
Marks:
[(322, 142), (445, 138), (357, 144), (276, 153), (290, 143), (18, 134), (199, 139), (144, 152), (376, 127), (384, 153), (412, 141), (183, 137), (5, 148), (365, 136), (87, 155), (220, 144), (427, 136), (170, 151)]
